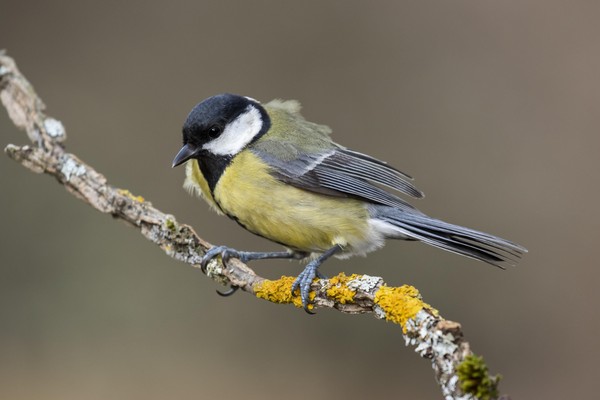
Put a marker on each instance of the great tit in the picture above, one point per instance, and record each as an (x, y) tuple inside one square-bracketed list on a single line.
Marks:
[(282, 177)]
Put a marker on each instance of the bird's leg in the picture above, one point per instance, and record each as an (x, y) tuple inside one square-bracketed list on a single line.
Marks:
[(227, 253), (310, 272)]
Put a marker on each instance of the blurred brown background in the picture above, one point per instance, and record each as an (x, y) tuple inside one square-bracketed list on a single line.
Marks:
[(493, 106)]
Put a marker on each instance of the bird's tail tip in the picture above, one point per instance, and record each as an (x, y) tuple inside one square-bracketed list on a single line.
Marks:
[(454, 238)]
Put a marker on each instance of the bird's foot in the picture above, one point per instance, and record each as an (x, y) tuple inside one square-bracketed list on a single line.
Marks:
[(226, 254), (310, 272), (304, 280)]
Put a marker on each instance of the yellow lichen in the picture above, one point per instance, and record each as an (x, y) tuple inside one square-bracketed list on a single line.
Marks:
[(400, 304), (128, 194), (280, 291), (339, 290)]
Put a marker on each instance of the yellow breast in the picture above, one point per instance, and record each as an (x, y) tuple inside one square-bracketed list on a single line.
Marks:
[(196, 184), (296, 218)]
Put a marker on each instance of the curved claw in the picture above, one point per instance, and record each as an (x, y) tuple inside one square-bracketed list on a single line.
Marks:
[(210, 254), (225, 252), (229, 292), (310, 272), (303, 282)]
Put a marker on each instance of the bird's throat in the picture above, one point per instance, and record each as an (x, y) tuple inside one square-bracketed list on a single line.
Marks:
[(212, 168)]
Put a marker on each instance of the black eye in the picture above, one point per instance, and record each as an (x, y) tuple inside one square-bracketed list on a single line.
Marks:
[(214, 131)]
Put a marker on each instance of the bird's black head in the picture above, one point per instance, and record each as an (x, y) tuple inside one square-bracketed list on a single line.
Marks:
[(222, 125)]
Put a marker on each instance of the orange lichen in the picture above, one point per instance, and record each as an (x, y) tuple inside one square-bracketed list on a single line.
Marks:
[(400, 304), (128, 194), (280, 291), (338, 288)]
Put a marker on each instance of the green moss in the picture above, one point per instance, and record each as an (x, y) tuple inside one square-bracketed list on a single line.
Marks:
[(170, 224), (475, 379)]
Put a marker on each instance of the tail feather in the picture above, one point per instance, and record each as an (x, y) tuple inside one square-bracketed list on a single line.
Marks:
[(454, 238)]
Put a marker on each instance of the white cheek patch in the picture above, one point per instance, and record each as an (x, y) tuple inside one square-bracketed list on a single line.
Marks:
[(237, 134)]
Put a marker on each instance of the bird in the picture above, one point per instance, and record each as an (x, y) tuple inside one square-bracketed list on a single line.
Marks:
[(283, 178)]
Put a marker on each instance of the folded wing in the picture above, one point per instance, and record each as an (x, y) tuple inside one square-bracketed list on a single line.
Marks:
[(344, 173)]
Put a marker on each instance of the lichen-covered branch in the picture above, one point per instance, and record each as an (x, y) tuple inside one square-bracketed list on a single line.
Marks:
[(460, 374)]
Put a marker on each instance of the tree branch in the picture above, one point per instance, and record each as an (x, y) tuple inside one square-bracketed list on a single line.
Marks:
[(460, 374)]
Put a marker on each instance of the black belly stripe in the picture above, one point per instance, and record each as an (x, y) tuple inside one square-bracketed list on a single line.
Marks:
[(212, 167)]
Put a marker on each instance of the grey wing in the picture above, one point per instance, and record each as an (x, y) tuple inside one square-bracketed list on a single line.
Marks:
[(344, 173)]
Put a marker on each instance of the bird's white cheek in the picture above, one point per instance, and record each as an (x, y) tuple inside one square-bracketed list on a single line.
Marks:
[(237, 134)]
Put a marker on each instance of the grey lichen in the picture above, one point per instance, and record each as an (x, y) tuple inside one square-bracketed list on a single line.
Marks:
[(364, 283), (54, 128), (433, 343), (71, 168), (380, 314), (214, 268)]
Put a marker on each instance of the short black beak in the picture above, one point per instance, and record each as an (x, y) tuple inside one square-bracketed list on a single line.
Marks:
[(187, 151)]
